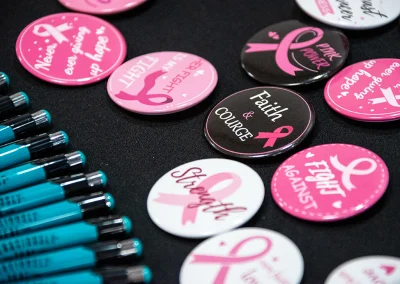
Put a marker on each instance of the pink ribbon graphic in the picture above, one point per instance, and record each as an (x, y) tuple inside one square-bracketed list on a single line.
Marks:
[(287, 43), (143, 96), (187, 201), (388, 97), (50, 30), (273, 136), (324, 7), (232, 258)]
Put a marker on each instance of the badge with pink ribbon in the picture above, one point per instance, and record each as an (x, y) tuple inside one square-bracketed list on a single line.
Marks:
[(101, 7), (259, 122), (330, 182), (205, 197), (247, 255), (162, 82), (367, 91), (292, 53), (369, 270), (70, 49)]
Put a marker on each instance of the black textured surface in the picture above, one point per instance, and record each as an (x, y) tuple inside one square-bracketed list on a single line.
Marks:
[(136, 150)]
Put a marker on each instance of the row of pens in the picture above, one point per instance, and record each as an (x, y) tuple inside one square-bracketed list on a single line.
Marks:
[(50, 229)]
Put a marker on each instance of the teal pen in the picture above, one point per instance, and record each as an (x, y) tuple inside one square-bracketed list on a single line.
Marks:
[(23, 125), (55, 214), (79, 233), (74, 258), (51, 191), (40, 170), (35, 147), (109, 275), (4, 82)]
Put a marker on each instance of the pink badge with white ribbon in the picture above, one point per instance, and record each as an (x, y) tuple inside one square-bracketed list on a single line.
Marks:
[(205, 197), (247, 255), (101, 7), (162, 82), (330, 182), (70, 49), (367, 91)]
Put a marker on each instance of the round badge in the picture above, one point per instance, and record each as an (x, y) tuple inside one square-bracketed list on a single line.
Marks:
[(162, 82), (369, 269), (291, 53), (350, 14), (70, 49), (102, 7), (247, 255), (330, 182), (367, 91), (259, 122), (205, 197)]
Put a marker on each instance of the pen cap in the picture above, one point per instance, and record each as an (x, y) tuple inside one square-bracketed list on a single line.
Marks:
[(44, 143), (81, 183), (111, 226), (113, 250), (4, 82), (20, 100), (92, 204), (61, 164), (125, 275)]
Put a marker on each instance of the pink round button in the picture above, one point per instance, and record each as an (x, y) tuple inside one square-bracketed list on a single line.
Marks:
[(70, 49), (101, 7), (329, 182), (162, 82), (367, 91)]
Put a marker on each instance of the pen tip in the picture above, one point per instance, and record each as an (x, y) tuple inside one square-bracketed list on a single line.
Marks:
[(103, 177), (127, 224), (147, 274)]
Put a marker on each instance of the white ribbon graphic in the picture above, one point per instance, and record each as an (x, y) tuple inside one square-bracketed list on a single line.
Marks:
[(388, 97), (350, 169), (50, 30)]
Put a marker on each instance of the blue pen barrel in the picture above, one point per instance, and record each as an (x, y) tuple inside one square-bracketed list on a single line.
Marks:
[(86, 277), (117, 274), (72, 210), (68, 259), (51, 191), (65, 236), (39, 170)]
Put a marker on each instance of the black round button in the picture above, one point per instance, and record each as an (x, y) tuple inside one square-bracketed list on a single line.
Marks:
[(259, 122), (291, 53)]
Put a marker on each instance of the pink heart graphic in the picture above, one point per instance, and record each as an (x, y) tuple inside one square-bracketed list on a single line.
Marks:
[(389, 269)]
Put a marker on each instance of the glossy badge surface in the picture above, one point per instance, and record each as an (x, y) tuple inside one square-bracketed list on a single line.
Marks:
[(247, 255), (70, 49), (205, 197), (352, 14), (367, 91), (330, 182), (291, 53), (162, 82), (259, 122), (367, 270), (101, 7)]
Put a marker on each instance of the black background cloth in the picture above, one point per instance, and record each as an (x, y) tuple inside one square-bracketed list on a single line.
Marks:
[(136, 150)]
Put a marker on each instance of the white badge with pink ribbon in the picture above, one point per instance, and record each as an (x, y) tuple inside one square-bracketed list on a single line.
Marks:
[(247, 255), (367, 270), (205, 197)]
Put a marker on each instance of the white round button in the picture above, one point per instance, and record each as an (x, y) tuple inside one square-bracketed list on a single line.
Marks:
[(351, 14), (205, 197), (367, 270), (247, 255)]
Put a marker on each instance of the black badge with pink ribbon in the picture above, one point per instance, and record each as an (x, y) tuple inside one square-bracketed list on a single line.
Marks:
[(259, 122), (291, 53)]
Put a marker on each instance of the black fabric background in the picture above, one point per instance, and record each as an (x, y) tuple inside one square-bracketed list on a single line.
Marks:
[(136, 150)]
